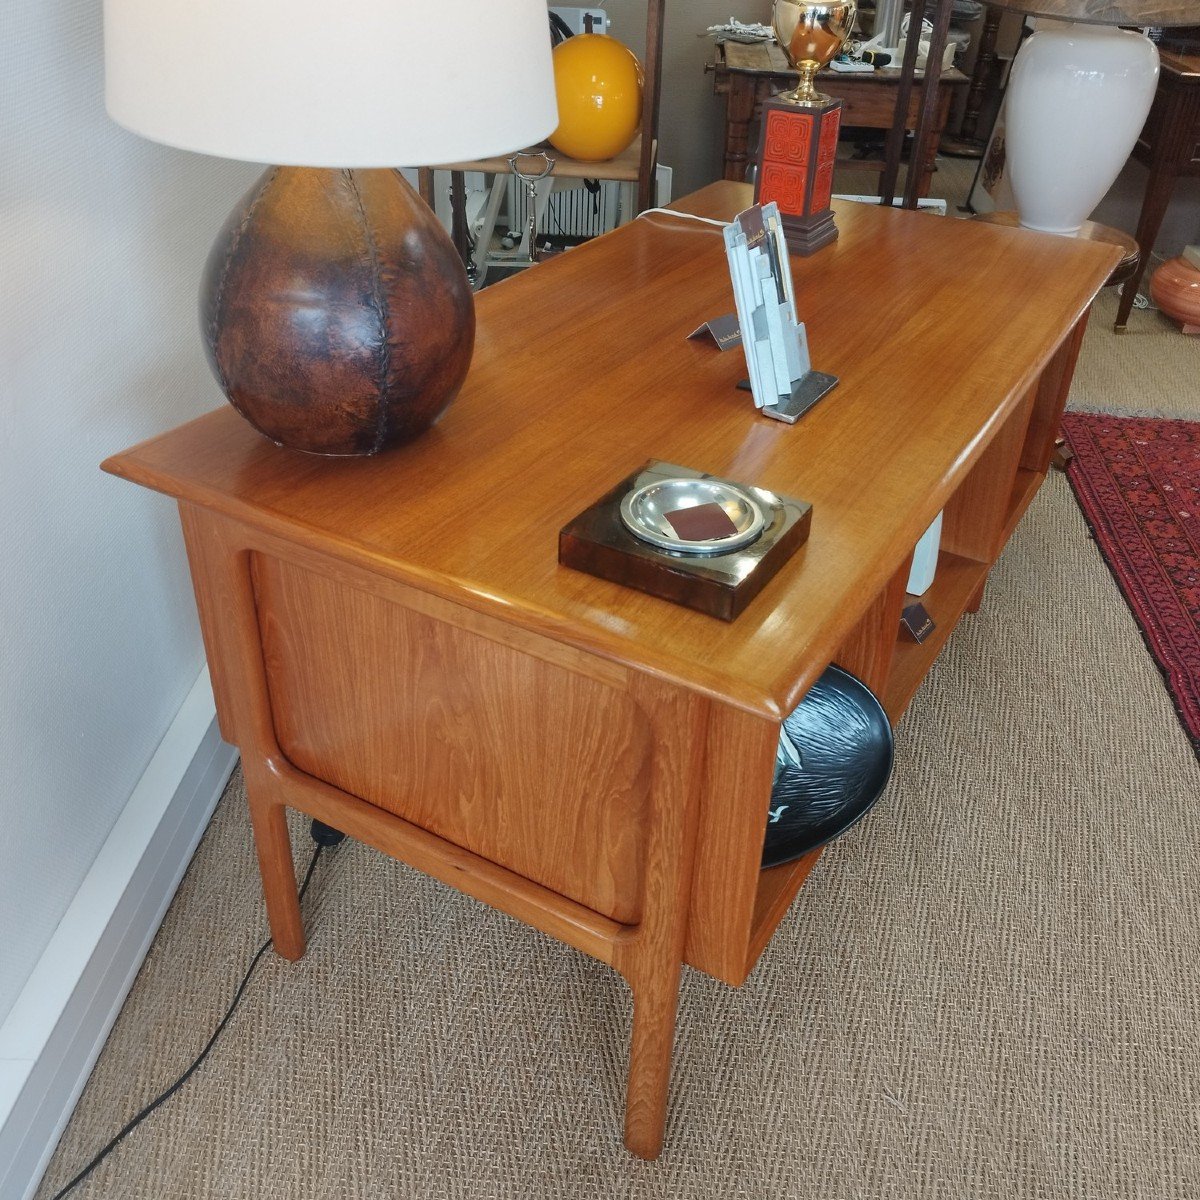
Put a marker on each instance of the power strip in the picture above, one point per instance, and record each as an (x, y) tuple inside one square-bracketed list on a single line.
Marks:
[(850, 66)]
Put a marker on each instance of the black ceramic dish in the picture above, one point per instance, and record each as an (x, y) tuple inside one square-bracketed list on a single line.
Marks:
[(834, 760)]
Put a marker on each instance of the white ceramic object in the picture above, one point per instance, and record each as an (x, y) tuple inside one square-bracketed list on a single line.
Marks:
[(924, 560), (1077, 100)]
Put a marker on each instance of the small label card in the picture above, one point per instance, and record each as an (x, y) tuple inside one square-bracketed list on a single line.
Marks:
[(722, 330), (916, 621)]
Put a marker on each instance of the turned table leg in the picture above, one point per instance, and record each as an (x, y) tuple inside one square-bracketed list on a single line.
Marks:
[(650, 956), (274, 847), (655, 1004), (739, 116), (1154, 208)]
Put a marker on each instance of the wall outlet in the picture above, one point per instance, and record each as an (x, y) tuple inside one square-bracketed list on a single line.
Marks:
[(576, 18)]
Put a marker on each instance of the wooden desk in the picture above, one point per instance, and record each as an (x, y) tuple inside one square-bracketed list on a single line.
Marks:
[(748, 75), (1170, 146), (397, 652)]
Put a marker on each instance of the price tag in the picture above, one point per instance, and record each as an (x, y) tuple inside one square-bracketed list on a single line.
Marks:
[(916, 622)]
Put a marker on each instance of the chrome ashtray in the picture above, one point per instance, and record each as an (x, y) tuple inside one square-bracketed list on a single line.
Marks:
[(693, 516)]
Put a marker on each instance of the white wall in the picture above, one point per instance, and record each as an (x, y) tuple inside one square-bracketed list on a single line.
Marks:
[(102, 239)]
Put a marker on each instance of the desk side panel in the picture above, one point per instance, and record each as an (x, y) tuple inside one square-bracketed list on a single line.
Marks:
[(735, 796), (521, 761)]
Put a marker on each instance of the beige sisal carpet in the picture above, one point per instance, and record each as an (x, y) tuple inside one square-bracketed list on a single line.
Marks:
[(991, 988), (1151, 370)]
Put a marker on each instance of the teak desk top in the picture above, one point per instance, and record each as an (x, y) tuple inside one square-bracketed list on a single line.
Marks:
[(935, 327)]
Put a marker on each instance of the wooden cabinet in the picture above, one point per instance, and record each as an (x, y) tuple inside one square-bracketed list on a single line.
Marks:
[(396, 651)]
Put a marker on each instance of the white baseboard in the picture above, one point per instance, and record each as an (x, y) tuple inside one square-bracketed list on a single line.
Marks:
[(51, 1039)]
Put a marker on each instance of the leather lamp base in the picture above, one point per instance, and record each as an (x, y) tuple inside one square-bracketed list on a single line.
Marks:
[(336, 314)]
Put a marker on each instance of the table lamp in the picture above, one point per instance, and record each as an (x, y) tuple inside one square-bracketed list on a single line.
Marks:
[(336, 314), (798, 145), (1078, 97)]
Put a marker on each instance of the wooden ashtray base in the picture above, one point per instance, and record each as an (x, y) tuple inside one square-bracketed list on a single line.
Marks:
[(721, 585)]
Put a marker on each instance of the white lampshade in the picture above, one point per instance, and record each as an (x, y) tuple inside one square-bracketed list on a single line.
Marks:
[(332, 83)]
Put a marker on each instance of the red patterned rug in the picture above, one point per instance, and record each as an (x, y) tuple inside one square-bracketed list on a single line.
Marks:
[(1138, 483)]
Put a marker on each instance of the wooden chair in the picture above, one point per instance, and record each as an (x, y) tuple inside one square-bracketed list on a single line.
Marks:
[(940, 11)]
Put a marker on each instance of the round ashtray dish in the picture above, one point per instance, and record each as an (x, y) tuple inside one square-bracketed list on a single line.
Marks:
[(693, 516)]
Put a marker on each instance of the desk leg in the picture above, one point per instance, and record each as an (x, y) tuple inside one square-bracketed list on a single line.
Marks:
[(220, 567), (655, 1003), (274, 847), (1154, 208), (650, 956), (975, 603)]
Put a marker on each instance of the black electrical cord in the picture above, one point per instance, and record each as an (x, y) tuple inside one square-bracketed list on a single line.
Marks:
[(559, 30), (324, 838)]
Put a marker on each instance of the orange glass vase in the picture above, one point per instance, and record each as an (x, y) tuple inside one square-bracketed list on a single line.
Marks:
[(599, 86), (1175, 289)]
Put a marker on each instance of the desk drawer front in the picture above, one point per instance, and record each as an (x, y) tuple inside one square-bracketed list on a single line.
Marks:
[(547, 776)]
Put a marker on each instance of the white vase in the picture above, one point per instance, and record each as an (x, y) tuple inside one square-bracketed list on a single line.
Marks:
[(1077, 100)]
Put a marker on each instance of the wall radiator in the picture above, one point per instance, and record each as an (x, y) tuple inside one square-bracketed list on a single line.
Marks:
[(574, 211)]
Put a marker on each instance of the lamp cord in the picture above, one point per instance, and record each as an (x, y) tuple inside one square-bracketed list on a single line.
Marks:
[(674, 212), (161, 1099)]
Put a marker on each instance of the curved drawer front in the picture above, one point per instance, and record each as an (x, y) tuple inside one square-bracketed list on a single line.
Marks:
[(547, 776)]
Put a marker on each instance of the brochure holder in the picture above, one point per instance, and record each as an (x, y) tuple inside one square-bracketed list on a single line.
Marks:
[(782, 380)]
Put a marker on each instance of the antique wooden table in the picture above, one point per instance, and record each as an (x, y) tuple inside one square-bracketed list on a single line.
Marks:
[(397, 652), (746, 75), (1170, 146)]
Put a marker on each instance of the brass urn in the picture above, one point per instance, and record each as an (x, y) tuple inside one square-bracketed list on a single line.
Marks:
[(812, 33)]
